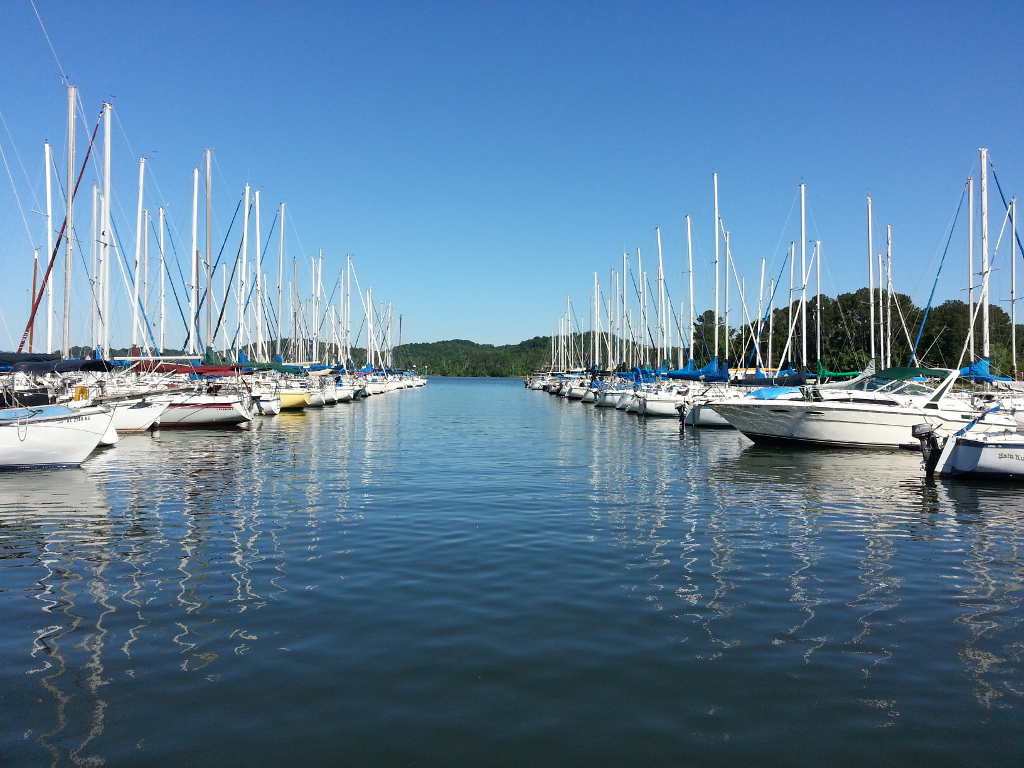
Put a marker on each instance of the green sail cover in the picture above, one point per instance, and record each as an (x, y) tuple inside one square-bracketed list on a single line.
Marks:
[(822, 373)]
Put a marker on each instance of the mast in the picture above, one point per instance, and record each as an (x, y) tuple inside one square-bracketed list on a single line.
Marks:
[(970, 265), (280, 281), (69, 237), (145, 276), (714, 180), (94, 313), (817, 312), (644, 330), (881, 315), (662, 309), (888, 298), (240, 293), (771, 320), (136, 274), (1013, 286), (789, 304), (104, 260), (369, 328), (259, 282), (728, 265), (985, 351), (803, 272), (760, 309), (209, 247), (593, 327), (871, 278), (689, 262), (193, 303), (48, 163), (163, 317)]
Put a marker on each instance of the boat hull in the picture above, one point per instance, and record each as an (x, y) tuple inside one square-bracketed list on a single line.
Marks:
[(58, 441)]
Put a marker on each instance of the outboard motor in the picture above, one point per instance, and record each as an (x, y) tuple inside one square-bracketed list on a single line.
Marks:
[(930, 448)]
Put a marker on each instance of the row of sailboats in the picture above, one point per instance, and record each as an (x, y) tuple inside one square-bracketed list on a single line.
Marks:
[(238, 361), (629, 363)]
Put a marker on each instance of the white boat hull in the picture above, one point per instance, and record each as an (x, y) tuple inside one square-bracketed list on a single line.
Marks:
[(836, 425), (58, 441), (205, 411)]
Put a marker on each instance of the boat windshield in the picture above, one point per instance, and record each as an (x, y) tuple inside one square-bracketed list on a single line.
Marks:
[(922, 386)]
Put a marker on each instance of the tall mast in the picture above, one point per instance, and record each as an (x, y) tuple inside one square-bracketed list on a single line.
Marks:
[(789, 304), (817, 318), (984, 253), (243, 268), (136, 274), (94, 225), (348, 307), (48, 163), (280, 280), (209, 247), (259, 282), (689, 262), (803, 272), (771, 321), (193, 304), (644, 330), (104, 260), (871, 278), (881, 315), (1013, 286), (163, 318), (888, 298), (725, 316), (760, 309), (970, 265), (662, 310), (593, 326), (622, 325), (369, 327), (145, 276), (714, 180), (69, 230)]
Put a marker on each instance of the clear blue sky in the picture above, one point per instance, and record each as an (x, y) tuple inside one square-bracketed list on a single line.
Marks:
[(482, 160)]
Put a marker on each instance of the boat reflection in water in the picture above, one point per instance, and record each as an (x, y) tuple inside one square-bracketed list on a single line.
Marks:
[(426, 565)]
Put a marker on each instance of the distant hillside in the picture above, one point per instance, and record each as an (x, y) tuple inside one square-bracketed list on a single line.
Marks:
[(459, 357)]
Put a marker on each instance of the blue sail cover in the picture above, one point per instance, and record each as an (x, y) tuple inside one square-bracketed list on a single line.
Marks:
[(981, 370), (714, 371)]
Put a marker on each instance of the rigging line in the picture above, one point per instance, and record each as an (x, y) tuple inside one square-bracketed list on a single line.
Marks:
[(230, 282), (49, 42), (1006, 205), (252, 285), (167, 271), (126, 270), (213, 273), (931, 296), (17, 197), (17, 155)]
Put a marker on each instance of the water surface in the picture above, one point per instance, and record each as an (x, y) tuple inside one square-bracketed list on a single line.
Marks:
[(476, 574)]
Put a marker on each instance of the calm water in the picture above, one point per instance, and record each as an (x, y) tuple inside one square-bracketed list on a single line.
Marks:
[(476, 574)]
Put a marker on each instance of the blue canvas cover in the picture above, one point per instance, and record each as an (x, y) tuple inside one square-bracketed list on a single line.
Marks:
[(981, 370)]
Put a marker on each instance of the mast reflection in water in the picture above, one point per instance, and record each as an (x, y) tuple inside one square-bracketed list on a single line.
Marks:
[(473, 573)]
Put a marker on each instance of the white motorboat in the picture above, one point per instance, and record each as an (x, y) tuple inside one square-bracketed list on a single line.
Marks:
[(872, 411), (50, 435), (988, 454)]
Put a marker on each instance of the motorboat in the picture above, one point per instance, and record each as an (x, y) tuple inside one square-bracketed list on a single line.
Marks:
[(875, 410)]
